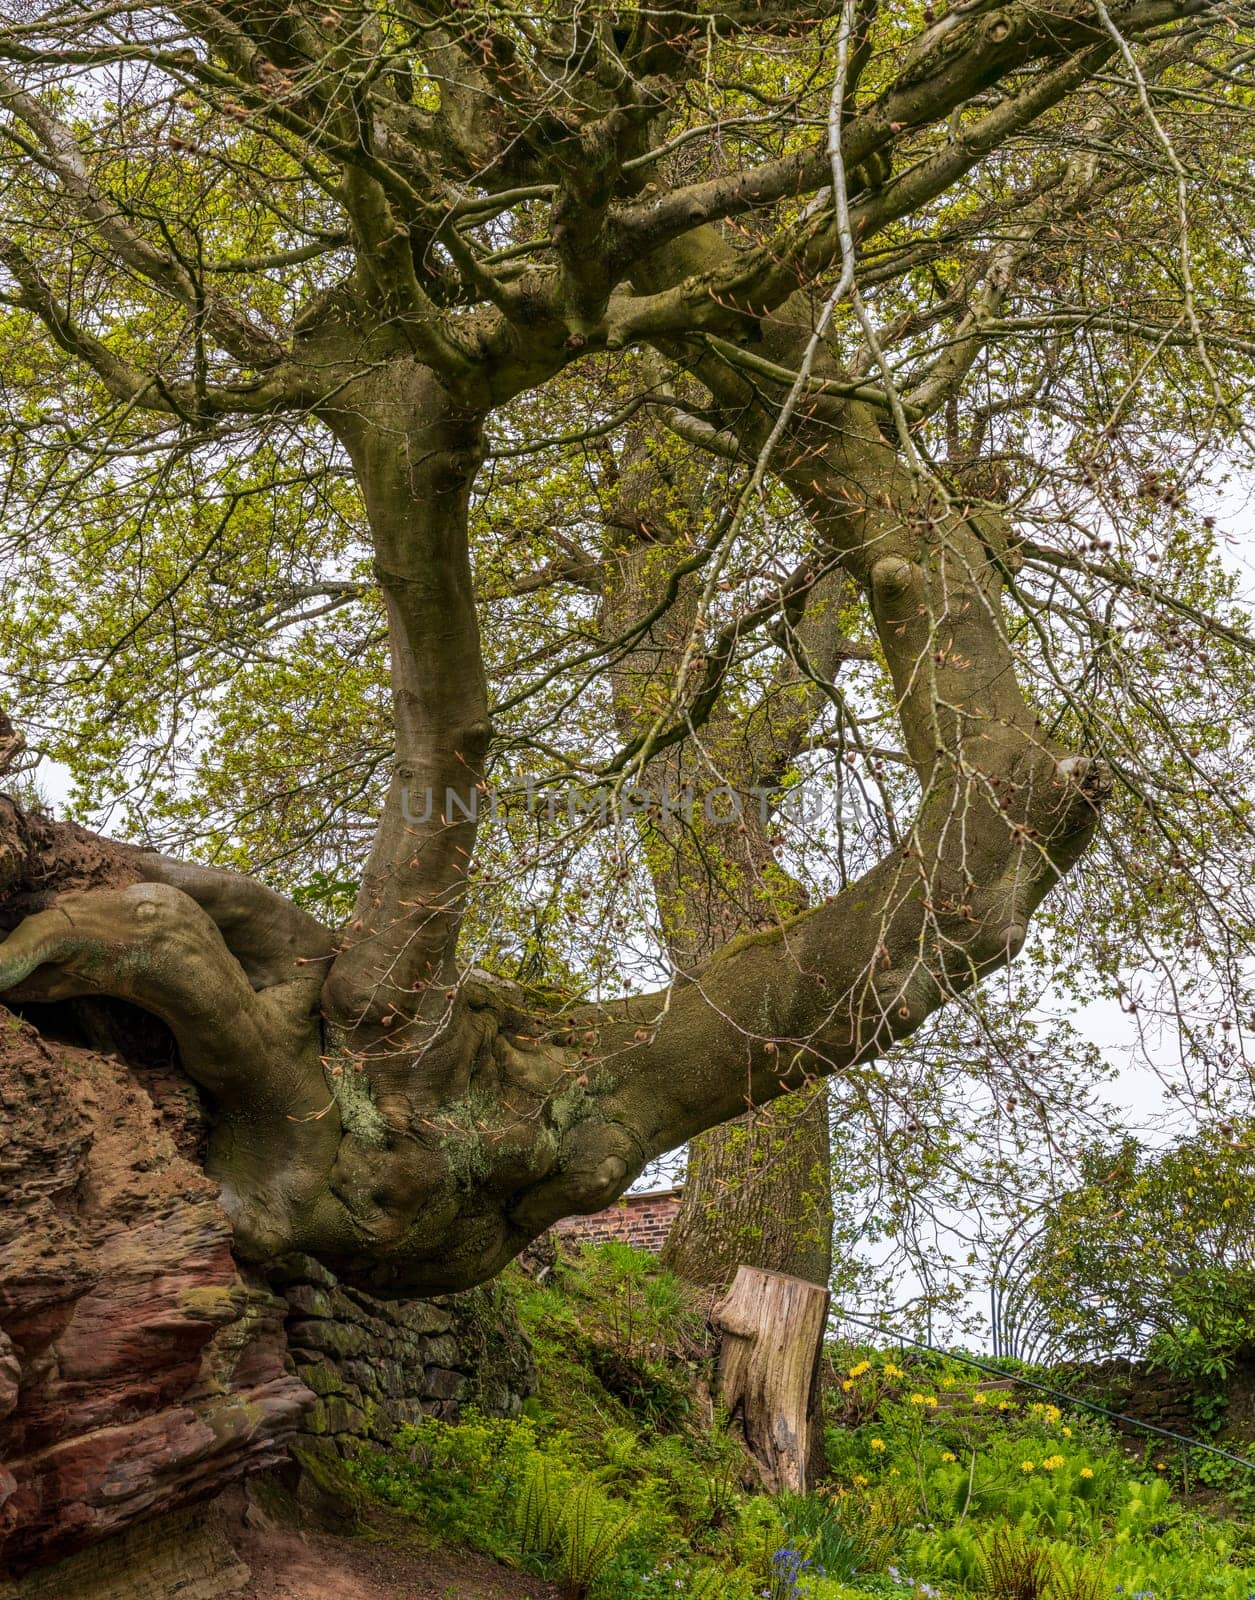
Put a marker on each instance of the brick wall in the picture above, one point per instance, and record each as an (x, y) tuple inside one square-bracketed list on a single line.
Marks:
[(640, 1219)]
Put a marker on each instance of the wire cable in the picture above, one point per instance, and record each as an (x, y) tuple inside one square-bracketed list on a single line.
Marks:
[(1045, 1388)]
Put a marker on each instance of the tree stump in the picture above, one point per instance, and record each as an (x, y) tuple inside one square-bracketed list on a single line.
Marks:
[(772, 1329)]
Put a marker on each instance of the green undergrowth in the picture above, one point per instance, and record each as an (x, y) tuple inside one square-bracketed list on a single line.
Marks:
[(622, 1481)]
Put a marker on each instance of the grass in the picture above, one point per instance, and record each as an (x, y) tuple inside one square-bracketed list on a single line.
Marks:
[(623, 1482)]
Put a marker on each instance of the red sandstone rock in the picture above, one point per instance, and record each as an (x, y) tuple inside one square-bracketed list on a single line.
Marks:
[(139, 1369)]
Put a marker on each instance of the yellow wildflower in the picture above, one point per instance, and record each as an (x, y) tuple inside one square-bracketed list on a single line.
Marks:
[(918, 1400), (1087, 1472), (860, 1369), (877, 1444), (847, 1383), (1066, 1432), (979, 1399), (1051, 1462), (893, 1372), (1027, 1466), (1161, 1466), (948, 1455), (860, 1482)]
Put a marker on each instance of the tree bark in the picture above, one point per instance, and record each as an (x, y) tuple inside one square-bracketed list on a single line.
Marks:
[(772, 1330), (416, 454), (758, 1193), (756, 1190)]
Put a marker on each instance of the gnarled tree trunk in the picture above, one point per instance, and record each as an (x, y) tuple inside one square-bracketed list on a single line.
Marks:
[(457, 1121)]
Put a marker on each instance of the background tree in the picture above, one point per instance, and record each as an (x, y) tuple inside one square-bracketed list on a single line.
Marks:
[(1152, 1252), (312, 288), (758, 1191)]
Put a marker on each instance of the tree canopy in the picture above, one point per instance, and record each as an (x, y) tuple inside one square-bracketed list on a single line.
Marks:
[(441, 438)]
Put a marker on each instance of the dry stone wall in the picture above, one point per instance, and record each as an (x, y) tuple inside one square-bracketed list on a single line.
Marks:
[(374, 1364)]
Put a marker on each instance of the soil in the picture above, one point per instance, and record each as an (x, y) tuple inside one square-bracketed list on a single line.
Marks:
[(306, 1565)]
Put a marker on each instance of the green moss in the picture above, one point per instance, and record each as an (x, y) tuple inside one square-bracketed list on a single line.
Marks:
[(765, 937), (358, 1111), (334, 1484), (214, 1302)]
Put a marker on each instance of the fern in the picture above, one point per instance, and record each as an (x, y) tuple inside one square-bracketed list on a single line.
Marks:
[(580, 1529), (709, 1584), (538, 1509), (591, 1534), (1014, 1568), (1089, 1581)]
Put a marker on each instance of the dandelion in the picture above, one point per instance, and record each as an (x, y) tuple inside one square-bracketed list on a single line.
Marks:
[(1027, 1466), (847, 1384), (1087, 1472), (1161, 1466), (859, 1481), (893, 1372), (1051, 1462), (877, 1444), (917, 1400), (858, 1370), (1066, 1432), (979, 1399), (948, 1455)]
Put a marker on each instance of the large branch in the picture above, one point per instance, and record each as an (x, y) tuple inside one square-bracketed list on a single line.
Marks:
[(416, 454), (60, 153), (944, 68)]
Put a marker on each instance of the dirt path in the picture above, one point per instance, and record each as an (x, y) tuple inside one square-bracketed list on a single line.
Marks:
[(292, 1565)]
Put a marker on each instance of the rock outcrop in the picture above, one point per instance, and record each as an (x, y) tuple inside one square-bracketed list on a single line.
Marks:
[(140, 1369)]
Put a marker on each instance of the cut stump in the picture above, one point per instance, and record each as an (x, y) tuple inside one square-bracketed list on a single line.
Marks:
[(772, 1330)]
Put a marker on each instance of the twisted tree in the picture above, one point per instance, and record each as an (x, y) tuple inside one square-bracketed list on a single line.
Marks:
[(310, 253)]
